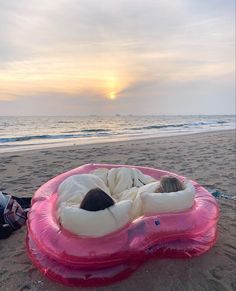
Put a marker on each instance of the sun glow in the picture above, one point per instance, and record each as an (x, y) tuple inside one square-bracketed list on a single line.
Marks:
[(56, 76), (112, 96)]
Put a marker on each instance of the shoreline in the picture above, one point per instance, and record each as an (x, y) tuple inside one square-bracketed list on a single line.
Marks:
[(109, 140), (208, 158)]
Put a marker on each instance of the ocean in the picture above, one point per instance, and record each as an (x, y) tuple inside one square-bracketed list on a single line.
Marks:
[(25, 133)]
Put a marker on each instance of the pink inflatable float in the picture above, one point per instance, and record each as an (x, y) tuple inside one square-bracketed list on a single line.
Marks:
[(74, 260)]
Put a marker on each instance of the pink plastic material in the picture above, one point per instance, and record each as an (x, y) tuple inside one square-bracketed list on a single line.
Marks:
[(80, 261)]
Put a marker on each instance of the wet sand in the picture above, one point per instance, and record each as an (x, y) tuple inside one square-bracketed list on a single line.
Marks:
[(208, 158)]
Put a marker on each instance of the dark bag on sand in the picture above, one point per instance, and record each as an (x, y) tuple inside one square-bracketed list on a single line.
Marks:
[(14, 214), (11, 212)]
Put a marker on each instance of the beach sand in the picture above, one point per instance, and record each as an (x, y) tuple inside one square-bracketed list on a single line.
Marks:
[(208, 158)]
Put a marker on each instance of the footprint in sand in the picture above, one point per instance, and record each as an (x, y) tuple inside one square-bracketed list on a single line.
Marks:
[(217, 273), (25, 287)]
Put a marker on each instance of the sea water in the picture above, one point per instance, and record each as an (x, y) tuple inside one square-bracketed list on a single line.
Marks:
[(24, 133)]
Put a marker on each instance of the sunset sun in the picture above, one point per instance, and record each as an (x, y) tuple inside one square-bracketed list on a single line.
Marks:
[(112, 96)]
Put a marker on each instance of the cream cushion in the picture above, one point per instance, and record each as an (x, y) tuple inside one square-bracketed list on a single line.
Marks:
[(95, 223), (153, 203), (134, 194), (122, 178)]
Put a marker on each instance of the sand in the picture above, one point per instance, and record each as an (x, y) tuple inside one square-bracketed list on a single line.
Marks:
[(208, 158)]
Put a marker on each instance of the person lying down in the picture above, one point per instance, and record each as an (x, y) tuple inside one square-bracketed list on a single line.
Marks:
[(78, 214), (115, 182), (132, 184), (129, 192)]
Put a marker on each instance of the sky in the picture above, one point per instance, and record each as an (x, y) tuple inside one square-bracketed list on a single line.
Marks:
[(80, 57)]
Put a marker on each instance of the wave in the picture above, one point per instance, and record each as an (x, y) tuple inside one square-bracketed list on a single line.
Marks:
[(192, 124), (65, 122), (220, 121), (95, 130), (88, 130), (46, 136)]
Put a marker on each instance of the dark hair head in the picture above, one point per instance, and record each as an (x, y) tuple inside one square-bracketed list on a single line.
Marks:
[(170, 184), (96, 200)]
